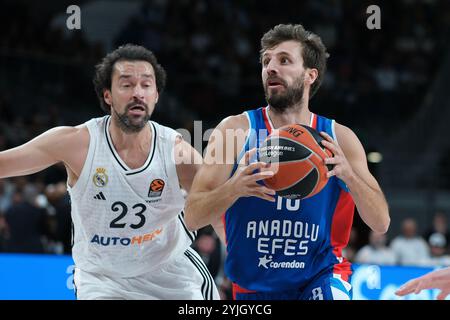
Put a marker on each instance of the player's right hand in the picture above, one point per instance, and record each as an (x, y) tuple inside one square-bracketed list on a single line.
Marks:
[(244, 180)]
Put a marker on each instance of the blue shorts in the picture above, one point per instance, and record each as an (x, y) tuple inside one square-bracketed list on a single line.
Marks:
[(325, 287)]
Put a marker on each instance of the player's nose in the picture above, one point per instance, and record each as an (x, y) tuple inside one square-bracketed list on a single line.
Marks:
[(138, 92), (272, 68)]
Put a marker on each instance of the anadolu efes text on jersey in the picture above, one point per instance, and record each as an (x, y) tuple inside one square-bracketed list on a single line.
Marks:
[(291, 238), (282, 245), (127, 221)]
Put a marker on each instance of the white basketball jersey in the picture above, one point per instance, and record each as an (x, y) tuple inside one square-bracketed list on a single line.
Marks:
[(127, 221)]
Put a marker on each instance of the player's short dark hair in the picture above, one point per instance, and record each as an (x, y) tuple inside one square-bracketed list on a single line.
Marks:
[(314, 52), (129, 52)]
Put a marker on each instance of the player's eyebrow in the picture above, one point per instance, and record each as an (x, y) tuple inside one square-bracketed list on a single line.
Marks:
[(281, 53), (127, 76)]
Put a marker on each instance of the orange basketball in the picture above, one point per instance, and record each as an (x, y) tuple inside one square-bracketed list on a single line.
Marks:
[(296, 155)]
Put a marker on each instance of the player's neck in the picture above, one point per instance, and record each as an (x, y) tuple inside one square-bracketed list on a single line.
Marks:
[(130, 141), (295, 114)]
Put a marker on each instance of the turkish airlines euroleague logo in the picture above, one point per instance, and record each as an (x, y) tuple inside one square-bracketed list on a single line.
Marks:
[(156, 188)]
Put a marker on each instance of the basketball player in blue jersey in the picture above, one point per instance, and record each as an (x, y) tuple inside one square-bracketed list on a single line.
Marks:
[(278, 248), (124, 176)]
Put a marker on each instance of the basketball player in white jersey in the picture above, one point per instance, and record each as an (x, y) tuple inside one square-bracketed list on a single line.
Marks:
[(124, 177)]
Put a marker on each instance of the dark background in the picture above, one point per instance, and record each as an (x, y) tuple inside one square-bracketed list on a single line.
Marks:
[(391, 86)]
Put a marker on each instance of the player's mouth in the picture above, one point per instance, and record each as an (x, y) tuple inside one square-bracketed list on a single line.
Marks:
[(137, 110), (275, 84)]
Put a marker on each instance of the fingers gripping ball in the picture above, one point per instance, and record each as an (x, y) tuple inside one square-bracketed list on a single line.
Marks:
[(295, 154)]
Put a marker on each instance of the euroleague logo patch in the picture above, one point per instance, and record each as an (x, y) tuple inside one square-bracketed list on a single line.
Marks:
[(156, 188)]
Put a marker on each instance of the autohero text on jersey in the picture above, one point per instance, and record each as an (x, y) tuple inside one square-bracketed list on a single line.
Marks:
[(136, 240)]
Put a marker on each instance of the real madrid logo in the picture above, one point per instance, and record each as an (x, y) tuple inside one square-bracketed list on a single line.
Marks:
[(100, 178)]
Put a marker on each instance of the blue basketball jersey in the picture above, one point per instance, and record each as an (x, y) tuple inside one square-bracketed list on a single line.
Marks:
[(283, 245)]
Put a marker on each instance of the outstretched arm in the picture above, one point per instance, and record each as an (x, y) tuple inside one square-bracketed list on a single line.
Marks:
[(350, 165), (437, 279), (61, 144)]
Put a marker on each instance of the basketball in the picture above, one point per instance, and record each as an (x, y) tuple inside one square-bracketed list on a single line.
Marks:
[(296, 156)]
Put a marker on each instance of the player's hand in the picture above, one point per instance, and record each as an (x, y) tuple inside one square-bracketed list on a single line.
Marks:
[(244, 181), (438, 279), (412, 286), (341, 166)]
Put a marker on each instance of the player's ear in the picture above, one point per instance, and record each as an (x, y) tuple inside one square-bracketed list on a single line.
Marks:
[(157, 97), (107, 97), (311, 75)]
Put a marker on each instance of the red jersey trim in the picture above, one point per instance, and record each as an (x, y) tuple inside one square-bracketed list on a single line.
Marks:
[(237, 289), (266, 120), (340, 232)]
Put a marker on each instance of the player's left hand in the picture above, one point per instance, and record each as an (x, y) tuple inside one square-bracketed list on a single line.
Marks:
[(342, 168), (412, 286), (437, 279)]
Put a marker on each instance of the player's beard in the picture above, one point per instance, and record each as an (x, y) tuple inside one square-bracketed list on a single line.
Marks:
[(131, 124), (293, 95)]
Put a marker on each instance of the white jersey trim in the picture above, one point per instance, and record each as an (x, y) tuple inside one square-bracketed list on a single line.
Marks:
[(333, 130), (247, 139), (83, 180), (116, 155)]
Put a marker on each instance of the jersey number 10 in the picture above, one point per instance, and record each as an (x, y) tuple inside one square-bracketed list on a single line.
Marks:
[(290, 205)]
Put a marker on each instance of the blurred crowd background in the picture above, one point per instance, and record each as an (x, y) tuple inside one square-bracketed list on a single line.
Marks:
[(389, 85)]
